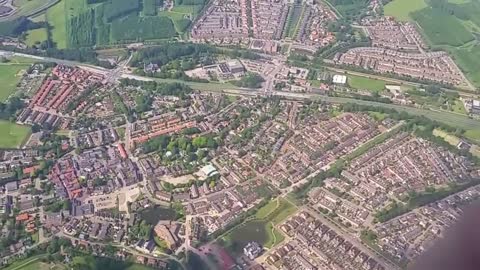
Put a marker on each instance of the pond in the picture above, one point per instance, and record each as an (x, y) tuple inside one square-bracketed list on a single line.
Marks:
[(255, 230), (154, 214)]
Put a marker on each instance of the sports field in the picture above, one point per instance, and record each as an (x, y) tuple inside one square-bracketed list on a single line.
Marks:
[(364, 83), (13, 135), (9, 77), (401, 9), (57, 20)]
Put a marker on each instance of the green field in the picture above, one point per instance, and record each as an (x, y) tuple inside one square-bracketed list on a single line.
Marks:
[(180, 22), (57, 20), (401, 9), (458, 107), (267, 209), (37, 265), (28, 263), (473, 134), (441, 28), (13, 135), (75, 23), (377, 115), (451, 139), (283, 210), (9, 77), (451, 26), (293, 19), (36, 36), (364, 83), (468, 59)]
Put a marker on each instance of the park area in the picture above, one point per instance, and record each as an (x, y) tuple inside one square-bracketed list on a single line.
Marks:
[(260, 227)]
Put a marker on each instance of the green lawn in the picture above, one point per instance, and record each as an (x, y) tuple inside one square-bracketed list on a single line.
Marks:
[(13, 135), (187, 9), (36, 35), (266, 210), (459, 1), (364, 83), (274, 236), (30, 263), (57, 19), (75, 7), (284, 210), (121, 132), (473, 134), (176, 18), (458, 107), (401, 9), (377, 115), (9, 77), (451, 139)]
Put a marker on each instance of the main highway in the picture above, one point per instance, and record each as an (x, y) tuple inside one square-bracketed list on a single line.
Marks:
[(120, 71)]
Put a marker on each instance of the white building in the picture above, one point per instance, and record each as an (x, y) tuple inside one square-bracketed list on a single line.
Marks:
[(339, 79)]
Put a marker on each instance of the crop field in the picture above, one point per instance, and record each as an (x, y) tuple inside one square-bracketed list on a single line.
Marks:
[(57, 20), (364, 83), (442, 29), (134, 27), (468, 59), (401, 9), (75, 23), (13, 135)]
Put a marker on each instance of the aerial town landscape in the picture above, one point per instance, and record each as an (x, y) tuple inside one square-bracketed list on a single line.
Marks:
[(245, 134)]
